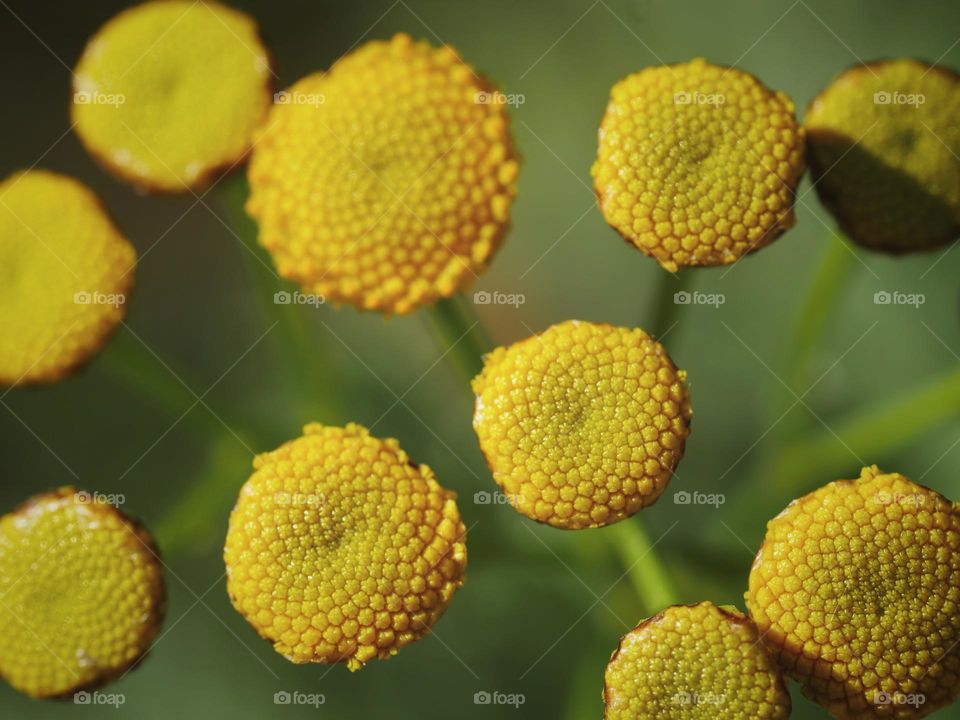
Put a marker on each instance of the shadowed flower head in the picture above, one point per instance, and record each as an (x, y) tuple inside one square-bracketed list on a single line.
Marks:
[(856, 589), (386, 182), (340, 549), (582, 425), (694, 661), (82, 593), (698, 164), (883, 146), (65, 277), (170, 91)]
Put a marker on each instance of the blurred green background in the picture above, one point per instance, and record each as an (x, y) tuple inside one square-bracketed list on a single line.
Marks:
[(208, 371)]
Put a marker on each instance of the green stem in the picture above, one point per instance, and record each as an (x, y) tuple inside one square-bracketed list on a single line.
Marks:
[(665, 309), (460, 334), (648, 576)]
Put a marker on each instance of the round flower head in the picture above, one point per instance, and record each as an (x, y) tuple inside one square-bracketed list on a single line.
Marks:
[(170, 91), (81, 593), (698, 164), (65, 274), (883, 152), (340, 549), (582, 425), (387, 181), (857, 588), (694, 661)]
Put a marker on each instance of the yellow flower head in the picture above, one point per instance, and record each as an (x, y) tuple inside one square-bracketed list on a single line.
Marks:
[(340, 549), (582, 425), (387, 181), (693, 662), (857, 590), (65, 276), (171, 91), (81, 593), (883, 151), (698, 164)]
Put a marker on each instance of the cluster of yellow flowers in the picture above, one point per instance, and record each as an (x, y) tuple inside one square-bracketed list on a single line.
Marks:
[(387, 183)]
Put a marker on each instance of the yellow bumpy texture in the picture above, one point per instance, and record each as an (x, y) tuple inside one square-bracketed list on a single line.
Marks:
[(698, 164), (387, 181), (81, 593), (883, 146), (582, 425), (65, 277), (856, 588), (340, 549), (694, 662), (170, 91)]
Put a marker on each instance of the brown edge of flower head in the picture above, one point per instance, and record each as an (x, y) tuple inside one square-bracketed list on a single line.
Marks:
[(831, 200), (128, 282), (145, 538), (730, 614), (210, 175), (536, 337), (784, 223)]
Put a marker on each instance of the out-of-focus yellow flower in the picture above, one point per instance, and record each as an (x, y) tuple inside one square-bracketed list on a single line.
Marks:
[(694, 661), (883, 146), (856, 588), (387, 181), (698, 164), (171, 91), (582, 425), (81, 593), (340, 549), (65, 276)]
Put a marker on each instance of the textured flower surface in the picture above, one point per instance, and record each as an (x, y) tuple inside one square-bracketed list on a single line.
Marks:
[(387, 181), (81, 593), (856, 589), (581, 425), (170, 91), (883, 147), (65, 276), (698, 164), (696, 662), (340, 549)]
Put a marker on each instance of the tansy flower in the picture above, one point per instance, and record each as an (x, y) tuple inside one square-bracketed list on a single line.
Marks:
[(65, 275), (340, 549), (170, 91), (883, 147), (694, 661), (81, 593), (581, 425), (698, 164), (387, 181), (856, 589)]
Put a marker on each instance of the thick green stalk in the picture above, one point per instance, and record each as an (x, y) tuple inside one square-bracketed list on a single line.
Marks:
[(647, 574), (460, 334), (666, 306)]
